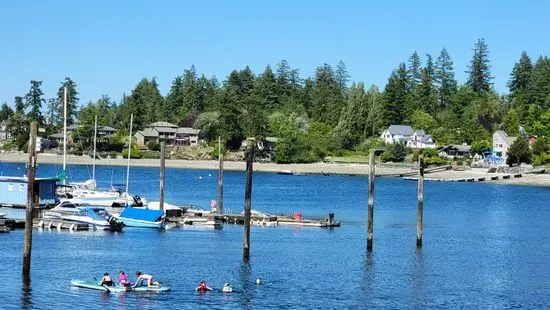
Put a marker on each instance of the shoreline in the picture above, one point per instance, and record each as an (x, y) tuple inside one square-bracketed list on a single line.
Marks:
[(352, 169)]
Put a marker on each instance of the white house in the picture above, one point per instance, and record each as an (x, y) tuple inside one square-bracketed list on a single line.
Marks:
[(501, 143), (405, 134)]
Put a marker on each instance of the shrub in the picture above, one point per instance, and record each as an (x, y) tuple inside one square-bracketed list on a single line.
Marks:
[(387, 156), (103, 154), (436, 161), (153, 146), (136, 153), (542, 159), (113, 154)]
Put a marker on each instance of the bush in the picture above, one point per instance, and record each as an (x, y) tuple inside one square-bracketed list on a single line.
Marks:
[(435, 161), (103, 154), (153, 146), (9, 145), (542, 159), (387, 156), (76, 152), (113, 154), (136, 153)]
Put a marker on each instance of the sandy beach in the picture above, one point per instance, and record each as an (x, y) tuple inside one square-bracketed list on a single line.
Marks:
[(314, 168)]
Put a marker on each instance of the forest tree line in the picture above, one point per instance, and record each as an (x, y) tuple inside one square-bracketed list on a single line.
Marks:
[(316, 116)]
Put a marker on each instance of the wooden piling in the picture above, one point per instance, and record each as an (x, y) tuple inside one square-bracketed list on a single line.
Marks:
[(220, 177), (370, 216), (247, 199), (31, 170), (420, 208), (162, 169)]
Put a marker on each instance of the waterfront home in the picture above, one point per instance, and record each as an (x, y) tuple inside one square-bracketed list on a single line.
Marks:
[(501, 143), (405, 134), (4, 131), (455, 150), (170, 133)]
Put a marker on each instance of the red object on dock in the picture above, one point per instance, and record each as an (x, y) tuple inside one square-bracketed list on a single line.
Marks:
[(298, 216)]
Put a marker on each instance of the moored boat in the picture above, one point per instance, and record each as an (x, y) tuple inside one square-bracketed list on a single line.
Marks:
[(142, 217), (82, 213)]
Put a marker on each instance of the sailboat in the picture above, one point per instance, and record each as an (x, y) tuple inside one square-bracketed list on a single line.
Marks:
[(86, 191)]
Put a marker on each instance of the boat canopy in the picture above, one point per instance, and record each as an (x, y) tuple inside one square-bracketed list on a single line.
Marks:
[(142, 214)]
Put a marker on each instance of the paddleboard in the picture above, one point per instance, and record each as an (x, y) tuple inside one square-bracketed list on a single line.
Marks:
[(117, 289)]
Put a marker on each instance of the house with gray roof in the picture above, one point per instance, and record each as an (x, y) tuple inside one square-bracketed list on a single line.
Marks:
[(170, 133), (407, 135)]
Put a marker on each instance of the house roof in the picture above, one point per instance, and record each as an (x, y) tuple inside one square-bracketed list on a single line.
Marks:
[(271, 139), (458, 147), (107, 128), (188, 130), (420, 132), (73, 127), (404, 130), (426, 138), (164, 130), (162, 124), (148, 132)]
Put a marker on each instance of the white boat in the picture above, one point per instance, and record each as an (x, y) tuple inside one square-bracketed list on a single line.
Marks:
[(3, 215), (82, 213)]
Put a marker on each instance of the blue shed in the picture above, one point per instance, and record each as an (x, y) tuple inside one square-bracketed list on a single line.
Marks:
[(13, 191)]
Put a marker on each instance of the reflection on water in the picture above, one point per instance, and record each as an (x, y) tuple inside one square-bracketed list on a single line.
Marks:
[(482, 248)]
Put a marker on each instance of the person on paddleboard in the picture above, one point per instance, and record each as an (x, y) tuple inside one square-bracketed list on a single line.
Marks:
[(123, 279), (144, 277), (203, 287), (106, 280)]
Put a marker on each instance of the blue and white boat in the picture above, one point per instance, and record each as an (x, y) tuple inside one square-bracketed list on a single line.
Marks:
[(142, 217), (82, 213)]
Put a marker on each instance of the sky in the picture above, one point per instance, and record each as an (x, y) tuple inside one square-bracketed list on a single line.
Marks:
[(108, 46)]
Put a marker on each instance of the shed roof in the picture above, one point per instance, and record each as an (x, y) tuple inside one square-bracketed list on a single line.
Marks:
[(148, 132)]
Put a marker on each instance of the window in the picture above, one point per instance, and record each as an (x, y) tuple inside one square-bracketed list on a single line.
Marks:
[(21, 187), (10, 187)]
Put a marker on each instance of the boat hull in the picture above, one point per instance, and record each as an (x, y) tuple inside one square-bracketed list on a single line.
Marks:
[(140, 223)]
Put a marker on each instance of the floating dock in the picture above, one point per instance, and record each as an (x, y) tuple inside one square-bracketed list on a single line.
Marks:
[(468, 179)]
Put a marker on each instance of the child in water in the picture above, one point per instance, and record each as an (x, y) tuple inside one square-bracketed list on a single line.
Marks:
[(203, 287), (227, 288)]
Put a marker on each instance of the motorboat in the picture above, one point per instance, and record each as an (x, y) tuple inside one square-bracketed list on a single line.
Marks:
[(83, 213), (142, 217)]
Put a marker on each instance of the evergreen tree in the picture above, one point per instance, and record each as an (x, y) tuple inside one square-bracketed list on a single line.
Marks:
[(34, 101), (539, 84), (426, 95), (342, 77), (266, 89), (52, 113), (19, 105), (6, 112), (444, 78), (72, 102), (375, 116), (511, 123), (327, 98), (415, 69), (519, 152), (174, 101), (519, 83), (144, 102), (395, 96), (353, 119), (479, 70)]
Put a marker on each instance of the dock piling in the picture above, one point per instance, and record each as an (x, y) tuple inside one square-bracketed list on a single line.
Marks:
[(420, 208), (220, 177), (370, 216), (162, 169), (247, 199), (31, 170)]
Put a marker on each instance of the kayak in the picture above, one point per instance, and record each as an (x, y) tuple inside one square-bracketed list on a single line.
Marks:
[(118, 289)]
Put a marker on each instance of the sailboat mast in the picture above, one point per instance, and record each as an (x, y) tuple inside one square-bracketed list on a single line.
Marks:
[(129, 153), (65, 136), (95, 139)]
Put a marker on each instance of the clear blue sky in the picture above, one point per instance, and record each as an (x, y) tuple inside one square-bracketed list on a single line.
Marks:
[(108, 46)]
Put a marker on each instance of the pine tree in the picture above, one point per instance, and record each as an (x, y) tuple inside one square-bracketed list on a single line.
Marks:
[(426, 92), (266, 89), (72, 102), (518, 84), (174, 101), (539, 84), (52, 112), (479, 70), (5, 112), (444, 78), (19, 105), (327, 99), (342, 77), (395, 96), (414, 72), (34, 101)]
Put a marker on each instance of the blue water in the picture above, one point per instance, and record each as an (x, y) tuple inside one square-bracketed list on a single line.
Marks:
[(485, 246)]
